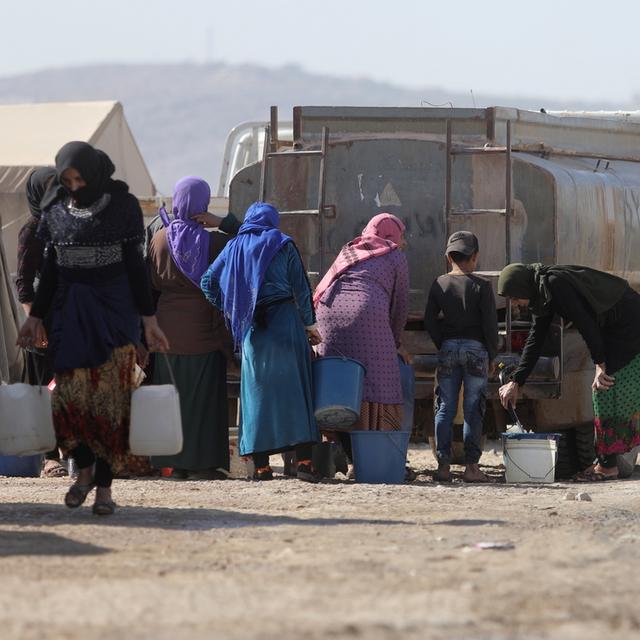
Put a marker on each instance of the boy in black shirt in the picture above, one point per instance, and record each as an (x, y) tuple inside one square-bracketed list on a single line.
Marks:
[(462, 322)]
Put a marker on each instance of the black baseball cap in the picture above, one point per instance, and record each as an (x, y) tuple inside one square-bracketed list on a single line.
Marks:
[(463, 242)]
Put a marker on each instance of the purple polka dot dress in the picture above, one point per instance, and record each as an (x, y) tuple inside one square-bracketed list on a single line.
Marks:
[(362, 315)]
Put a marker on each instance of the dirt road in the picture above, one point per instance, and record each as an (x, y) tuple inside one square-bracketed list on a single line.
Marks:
[(284, 559)]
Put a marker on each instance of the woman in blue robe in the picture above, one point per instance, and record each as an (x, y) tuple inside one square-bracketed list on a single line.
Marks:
[(260, 285)]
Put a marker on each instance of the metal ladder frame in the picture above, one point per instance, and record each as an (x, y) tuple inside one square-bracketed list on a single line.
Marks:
[(507, 211), (270, 151)]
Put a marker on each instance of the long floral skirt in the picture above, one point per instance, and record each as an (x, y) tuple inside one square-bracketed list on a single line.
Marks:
[(617, 412), (93, 407)]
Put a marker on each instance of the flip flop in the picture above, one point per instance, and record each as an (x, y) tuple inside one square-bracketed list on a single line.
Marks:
[(593, 476), (53, 469), (104, 508), (77, 494)]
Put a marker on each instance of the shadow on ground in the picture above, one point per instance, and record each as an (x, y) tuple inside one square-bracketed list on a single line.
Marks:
[(40, 543), (471, 523), (21, 513)]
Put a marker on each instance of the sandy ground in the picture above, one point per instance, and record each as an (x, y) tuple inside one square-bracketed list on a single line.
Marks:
[(284, 559)]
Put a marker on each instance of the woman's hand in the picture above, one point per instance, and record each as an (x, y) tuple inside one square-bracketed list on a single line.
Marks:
[(156, 340), (32, 334), (509, 394), (313, 335), (601, 381), (207, 219), (404, 354)]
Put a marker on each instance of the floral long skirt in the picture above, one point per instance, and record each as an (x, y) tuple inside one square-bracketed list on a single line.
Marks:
[(617, 412), (93, 407)]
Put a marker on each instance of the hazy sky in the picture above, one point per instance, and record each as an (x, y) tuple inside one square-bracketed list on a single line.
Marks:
[(580, 49)]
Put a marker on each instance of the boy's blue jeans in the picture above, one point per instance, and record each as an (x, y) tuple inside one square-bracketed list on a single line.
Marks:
[(461, 361)]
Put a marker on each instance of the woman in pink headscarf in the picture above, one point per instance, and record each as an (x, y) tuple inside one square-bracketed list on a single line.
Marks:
[(361, 308)]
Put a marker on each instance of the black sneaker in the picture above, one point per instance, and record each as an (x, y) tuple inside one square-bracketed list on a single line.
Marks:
[(307, 473), (264, 473)]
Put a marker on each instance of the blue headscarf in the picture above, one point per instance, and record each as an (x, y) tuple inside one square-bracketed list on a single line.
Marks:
[(240, 268)]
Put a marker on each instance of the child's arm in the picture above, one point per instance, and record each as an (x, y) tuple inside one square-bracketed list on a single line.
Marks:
[(489, 320), (431, 322)]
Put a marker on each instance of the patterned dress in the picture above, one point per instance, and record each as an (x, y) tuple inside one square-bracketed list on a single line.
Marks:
[(362, 315), (95, 285)]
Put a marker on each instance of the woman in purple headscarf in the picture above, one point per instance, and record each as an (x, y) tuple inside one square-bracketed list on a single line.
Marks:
[(260, 284), (178, 255)]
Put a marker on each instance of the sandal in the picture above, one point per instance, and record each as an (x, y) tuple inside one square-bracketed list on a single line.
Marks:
[(77, 494), (307, 473), (263, 473), (104, 508), (594, 476), (53, 469)]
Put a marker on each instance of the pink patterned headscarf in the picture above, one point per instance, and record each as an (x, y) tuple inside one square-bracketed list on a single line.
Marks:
[(382, 235)]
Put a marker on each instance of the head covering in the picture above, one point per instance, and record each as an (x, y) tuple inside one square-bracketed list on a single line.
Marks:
[(241, 266), (188, 240), (38, 182), (463, 242), (530, 281), (381, 235), (95, 168)]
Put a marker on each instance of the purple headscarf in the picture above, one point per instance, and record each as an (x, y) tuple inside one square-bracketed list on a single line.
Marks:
[(188, 240)]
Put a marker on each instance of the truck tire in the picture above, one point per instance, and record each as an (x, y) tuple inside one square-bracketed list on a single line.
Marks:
[(567, 462), (585, 446)]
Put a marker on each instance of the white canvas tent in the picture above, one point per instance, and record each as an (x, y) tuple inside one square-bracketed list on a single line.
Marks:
[(30, 136), (11, 358)]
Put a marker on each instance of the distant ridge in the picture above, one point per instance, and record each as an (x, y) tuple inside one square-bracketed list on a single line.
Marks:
[(180, 114)]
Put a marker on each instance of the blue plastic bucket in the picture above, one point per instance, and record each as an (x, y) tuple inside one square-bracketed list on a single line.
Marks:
[(379, 457), (20, 466), (408, 383), (337, 392)]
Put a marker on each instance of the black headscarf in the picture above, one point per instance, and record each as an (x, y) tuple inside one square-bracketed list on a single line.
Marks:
[(38, 183), (95, 168), (529, 281)]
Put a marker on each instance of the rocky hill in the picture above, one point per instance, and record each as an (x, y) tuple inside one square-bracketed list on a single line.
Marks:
[(180, 114)]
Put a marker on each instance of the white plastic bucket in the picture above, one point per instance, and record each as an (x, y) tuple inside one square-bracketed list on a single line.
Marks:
[(156, 424), (530, 457), (26, 423)]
